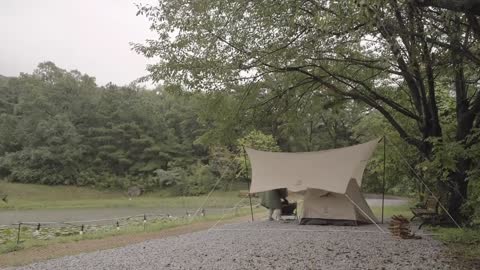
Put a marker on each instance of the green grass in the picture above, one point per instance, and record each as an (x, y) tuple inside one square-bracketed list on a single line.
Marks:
[(10, 247), (30, 196), (389, 211), (462, 243)]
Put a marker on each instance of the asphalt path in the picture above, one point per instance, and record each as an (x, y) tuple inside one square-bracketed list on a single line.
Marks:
[(8, 217)]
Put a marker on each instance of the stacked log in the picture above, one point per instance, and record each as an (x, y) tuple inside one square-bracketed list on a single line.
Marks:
[(400, 227)]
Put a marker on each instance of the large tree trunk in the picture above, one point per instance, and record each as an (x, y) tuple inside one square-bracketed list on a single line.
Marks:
[(457, 182), (457, 190)]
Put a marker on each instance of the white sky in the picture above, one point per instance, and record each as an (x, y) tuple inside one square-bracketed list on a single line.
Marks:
[(91, 36)]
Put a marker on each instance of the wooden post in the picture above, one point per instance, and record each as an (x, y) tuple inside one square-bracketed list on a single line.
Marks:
[(144, 221), (18, 233)]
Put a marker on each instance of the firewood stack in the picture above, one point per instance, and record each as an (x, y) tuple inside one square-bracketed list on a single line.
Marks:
[(400, 227)]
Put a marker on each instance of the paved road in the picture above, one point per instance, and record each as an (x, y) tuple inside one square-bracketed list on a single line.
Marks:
[(70, 215), (65, 215)]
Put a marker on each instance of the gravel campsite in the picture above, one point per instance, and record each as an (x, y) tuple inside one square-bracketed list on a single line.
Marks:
[(266, 245), (240, 135)]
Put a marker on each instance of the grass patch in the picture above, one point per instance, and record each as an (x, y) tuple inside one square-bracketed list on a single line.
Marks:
[(463, 244), (391, 210), (31, 196), (10, 247)]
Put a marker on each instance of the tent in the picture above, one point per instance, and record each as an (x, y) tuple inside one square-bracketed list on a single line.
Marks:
[(330, 181)]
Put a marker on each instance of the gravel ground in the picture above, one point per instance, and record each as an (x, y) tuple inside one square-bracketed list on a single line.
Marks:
[(266, 245)]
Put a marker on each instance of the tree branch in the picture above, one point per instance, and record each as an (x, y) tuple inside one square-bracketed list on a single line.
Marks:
[(464, 6)]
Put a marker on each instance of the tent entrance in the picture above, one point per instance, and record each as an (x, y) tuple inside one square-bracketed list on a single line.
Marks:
[(322, 207)]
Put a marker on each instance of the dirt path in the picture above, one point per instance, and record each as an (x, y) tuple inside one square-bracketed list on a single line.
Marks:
[(42, 253)]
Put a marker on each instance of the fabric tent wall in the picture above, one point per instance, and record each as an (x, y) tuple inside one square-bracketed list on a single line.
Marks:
[(323, 207)]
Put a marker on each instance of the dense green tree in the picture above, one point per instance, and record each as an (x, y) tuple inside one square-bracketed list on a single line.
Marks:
[(59, 127), (394, 56)]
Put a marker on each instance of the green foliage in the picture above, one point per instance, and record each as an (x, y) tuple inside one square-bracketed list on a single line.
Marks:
[(10, 247), (59, 127), (50, 157), (224, 163), (463, 243), (278, 67), (168, 178), (472, 207), (200, 180), (258, 141), (455, 235), (400, 158)]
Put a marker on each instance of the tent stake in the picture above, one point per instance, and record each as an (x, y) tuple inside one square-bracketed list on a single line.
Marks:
[(246, 175), (383, 182)]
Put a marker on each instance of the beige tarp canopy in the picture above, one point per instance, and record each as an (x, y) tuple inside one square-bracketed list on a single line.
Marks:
[(331, 179)]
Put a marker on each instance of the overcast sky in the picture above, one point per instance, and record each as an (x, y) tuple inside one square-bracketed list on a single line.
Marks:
[(91, 36)]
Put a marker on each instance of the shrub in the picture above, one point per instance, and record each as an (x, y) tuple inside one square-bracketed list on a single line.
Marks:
[(200, 180)]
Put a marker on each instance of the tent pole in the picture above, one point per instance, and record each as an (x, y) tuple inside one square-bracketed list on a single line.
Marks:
[(383, 182), (250, 199), (246, 174)]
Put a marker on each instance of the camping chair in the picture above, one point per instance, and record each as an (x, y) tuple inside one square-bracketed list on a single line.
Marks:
[(427, 211), (289, 211)]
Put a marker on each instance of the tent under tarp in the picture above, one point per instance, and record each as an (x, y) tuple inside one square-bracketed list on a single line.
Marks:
[(330, 181)]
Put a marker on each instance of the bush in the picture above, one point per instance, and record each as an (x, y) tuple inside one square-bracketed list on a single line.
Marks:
[(200, 180), (169, 178), (86, 178), (472, 207), (108, 181)]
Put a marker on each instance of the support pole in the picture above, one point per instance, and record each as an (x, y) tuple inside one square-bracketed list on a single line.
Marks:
[(144, 222), (250, 199), (246, 174), (18, 232), (384, 173)]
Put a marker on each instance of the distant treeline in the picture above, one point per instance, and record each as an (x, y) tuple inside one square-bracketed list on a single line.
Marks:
[(58, 127)]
